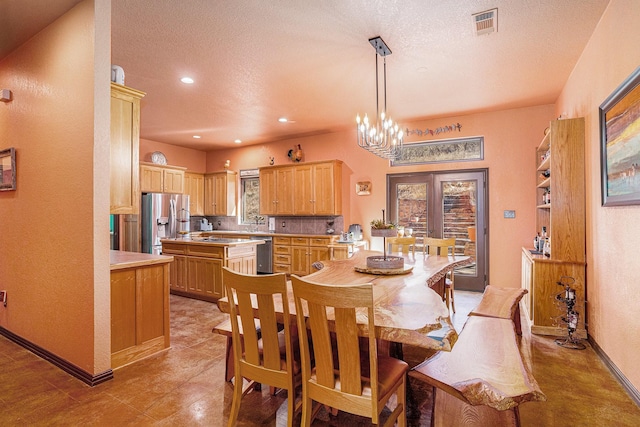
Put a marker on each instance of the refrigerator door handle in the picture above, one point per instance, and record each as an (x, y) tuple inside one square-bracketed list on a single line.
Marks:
[(172, 218)]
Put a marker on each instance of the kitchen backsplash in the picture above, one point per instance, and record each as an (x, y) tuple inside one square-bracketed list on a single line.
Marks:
[(284, 224)]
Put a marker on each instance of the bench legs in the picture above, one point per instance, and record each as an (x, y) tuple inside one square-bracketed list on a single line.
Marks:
[(451, 411)]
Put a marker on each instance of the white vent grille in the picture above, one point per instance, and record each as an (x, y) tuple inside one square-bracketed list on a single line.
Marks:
[(485, 22)]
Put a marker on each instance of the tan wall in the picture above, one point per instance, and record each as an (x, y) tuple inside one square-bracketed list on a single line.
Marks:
[(613, 233), (54, 244), (511, 137), (193, 160)]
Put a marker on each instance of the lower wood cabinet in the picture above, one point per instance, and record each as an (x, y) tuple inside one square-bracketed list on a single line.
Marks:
[(540, 277), (139, 313), (196, 270), (302, 253)]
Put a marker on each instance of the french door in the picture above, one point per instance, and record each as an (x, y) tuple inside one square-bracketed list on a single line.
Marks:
[(445, 205)]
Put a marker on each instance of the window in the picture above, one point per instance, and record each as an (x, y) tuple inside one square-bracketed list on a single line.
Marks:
[(250, 190)]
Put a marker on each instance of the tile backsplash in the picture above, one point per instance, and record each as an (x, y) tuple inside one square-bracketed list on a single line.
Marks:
[(284, 224)]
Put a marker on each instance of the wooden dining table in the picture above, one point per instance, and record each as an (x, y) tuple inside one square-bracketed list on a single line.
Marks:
[(407, 308)]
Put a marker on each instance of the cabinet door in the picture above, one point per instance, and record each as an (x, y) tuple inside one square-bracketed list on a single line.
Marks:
[(125, 137), (300, 260), (205, 276), (317, 253), (194, 187), (324, 186), (151, 179), (209, 194), (268, 192), (173, 181), (178, 273), (221, 205), (303, 190), (285, 191)]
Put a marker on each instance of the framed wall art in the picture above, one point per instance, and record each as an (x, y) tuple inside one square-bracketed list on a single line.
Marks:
[(620, 144), (363, 188), (8, 169), (451, 150)]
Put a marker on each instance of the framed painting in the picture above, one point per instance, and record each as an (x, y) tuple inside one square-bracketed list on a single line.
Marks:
[(451, 150), (363, 188), (8, 169), (620, 144)]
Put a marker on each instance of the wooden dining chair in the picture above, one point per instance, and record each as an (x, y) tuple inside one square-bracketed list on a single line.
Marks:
[(402, 244), (258, 354), (441, 247), (361, 387)]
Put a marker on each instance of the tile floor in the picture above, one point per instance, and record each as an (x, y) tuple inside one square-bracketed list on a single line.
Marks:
[(185, 386)]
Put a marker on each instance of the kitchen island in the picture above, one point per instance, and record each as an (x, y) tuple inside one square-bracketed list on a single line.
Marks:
[(196, 270), (139, 306)]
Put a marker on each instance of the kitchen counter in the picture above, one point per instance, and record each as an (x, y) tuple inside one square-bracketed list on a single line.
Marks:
[(121, 259), (139, 306), (213, 241), (196, 270), (334, 237)]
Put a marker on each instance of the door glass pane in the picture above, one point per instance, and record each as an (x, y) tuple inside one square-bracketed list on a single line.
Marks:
[(459, 203), (412, 209)]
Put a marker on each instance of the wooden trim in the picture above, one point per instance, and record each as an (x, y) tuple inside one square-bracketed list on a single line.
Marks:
[(71, 369), (622, 379)]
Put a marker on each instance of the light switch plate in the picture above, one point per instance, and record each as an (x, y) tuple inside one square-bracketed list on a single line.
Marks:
[(509, 214)]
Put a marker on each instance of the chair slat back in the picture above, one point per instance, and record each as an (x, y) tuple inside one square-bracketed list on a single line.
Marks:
[(261, 348), (334, 308), (440, 247), (401, 244)]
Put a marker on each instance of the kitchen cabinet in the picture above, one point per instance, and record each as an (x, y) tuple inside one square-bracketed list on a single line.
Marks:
[(161, 179), (276, 190), (307, 250), (318, 189), (560, 173), (282, 254), (194, 188), (124, 150), (139, 306), (196, 270), (220, 196)]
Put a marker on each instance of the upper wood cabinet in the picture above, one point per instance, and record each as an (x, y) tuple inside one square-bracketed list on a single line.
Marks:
[(161, 179), (194, 187), (276, 190), (306, 189), (220, 193), (125, 142), (317, 189)]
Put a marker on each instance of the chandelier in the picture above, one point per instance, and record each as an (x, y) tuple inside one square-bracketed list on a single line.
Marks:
[(384, 138)]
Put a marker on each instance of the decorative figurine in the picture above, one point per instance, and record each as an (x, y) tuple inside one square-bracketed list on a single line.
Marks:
[(568, 299)]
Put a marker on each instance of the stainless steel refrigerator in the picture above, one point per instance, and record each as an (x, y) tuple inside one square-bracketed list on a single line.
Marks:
[(162, 216)]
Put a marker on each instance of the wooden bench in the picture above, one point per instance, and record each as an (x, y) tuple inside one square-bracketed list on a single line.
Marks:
[(503, 303), (482, 380)]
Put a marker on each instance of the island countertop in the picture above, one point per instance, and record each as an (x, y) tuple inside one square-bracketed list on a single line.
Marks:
[(121, 259), (213, 241)]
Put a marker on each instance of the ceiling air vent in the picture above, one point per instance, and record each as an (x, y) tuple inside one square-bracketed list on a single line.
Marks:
[(485, 22)]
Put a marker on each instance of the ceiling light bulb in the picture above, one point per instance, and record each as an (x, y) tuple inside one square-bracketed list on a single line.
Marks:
[(197, 136), (187, 80), (283, 120), (237, 141)]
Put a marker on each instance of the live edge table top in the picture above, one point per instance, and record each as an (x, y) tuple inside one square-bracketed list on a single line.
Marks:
[(407, 310)]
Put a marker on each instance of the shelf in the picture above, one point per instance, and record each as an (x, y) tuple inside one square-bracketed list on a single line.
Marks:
[(545, 184), (545, 206), (545, 164), (546, 142)]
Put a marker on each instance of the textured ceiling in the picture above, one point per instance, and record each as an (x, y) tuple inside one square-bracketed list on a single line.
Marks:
[(254, 61)]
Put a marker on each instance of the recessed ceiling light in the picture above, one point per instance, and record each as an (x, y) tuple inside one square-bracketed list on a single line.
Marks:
[(187, 80), (237, 141), (283, 120), (197, 136)]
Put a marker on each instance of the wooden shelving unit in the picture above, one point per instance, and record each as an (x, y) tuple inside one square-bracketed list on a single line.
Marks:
[(561, 152)]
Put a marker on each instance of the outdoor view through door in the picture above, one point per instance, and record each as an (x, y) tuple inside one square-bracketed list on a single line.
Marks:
[(444, 205)]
